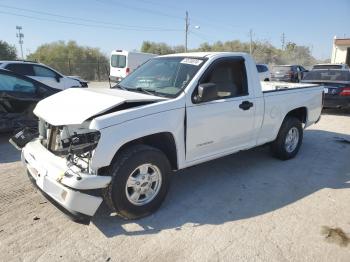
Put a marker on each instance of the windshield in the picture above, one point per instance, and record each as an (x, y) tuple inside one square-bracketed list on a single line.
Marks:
[(118, 61), (328, 75), (281, 68), (164, 76)]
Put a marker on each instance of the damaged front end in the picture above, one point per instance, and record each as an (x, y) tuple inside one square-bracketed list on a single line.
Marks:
[(75, 143), (58, 161)]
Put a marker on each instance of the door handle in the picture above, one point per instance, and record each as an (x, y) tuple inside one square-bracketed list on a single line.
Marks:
[(245, 105)]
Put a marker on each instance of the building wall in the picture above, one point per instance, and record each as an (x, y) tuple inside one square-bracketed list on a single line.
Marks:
[(339, 54), (339, 51)]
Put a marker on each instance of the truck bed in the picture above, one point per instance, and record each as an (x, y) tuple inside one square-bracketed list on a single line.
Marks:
[(267, 86)]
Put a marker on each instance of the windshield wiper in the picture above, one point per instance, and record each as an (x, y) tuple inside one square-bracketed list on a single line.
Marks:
[(120, 87), (146, 91)]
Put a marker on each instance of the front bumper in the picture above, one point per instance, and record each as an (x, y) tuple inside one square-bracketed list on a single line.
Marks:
[(61, 183), (115, 79)]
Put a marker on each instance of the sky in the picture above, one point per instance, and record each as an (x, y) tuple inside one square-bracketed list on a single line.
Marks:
[(116, 24)]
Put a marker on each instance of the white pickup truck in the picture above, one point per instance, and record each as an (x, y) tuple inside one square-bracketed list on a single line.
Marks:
[(175, 111)]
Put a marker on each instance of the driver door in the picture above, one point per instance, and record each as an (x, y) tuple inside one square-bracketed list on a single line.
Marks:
[(224, 124)]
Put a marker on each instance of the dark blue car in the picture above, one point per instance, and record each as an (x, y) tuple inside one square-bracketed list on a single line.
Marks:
[(18, 97)]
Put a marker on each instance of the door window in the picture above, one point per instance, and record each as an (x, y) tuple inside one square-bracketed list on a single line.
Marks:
[(230, 78), (15, 84), (44, 72), (22, 69)]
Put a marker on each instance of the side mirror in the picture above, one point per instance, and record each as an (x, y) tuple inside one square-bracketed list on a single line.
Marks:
[(58, 78), (206, 92)]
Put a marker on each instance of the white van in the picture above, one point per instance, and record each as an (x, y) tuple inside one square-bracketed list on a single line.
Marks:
[(124, 62)]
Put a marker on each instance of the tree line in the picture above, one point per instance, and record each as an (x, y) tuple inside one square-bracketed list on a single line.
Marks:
[(262, 51), (91, 64)]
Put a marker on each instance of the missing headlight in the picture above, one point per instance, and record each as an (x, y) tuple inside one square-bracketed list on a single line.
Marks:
[(79, 144)]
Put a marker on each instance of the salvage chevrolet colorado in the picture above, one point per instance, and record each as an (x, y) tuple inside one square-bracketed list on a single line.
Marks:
[(175, 111)]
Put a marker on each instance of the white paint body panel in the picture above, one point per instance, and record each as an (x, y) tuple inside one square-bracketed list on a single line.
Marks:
[(48, 171), (74, 106)]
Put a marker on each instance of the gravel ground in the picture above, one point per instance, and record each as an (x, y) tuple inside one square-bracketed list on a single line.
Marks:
[(244, 207)]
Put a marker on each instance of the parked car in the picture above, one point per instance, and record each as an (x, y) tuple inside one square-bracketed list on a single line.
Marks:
[(336, 84), (83, 83), (288, 73), (331, 66), (18, 97), (42, 73), (123, 62), (264, 72), (174, 112)]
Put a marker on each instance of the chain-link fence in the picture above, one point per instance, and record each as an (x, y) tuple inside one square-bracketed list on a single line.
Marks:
[(88, 70)]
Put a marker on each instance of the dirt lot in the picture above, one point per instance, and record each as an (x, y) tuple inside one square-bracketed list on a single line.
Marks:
[(244, 207)]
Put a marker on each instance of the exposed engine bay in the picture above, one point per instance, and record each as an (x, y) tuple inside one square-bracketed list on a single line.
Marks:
[(75, 142)]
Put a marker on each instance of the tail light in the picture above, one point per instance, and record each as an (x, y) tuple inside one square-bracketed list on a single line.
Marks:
[(127, 70), (345, 91)]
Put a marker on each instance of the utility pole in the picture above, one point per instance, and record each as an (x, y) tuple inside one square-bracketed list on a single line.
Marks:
[(283, 40), (251, 41), (20, 37), (187, 25)]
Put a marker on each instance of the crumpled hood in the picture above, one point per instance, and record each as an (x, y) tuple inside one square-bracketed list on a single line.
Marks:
[(75, 105)]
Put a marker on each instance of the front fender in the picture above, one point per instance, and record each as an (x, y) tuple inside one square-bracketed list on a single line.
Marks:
[(114, 137)]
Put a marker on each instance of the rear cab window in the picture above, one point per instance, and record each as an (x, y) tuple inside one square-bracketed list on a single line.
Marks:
[(118, 61)]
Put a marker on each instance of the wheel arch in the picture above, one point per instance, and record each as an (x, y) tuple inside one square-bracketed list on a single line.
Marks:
[(299, 113), (164, 141)]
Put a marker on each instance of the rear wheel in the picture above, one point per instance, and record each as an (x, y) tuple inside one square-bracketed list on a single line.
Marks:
[(289, 139), (140, 180)]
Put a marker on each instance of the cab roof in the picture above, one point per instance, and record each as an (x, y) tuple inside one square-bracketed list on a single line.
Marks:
[(206, 54)]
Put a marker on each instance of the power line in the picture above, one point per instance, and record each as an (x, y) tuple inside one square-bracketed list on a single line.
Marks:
[(90, 20), (214, 24), (201, 36), (86, 25), (158, 4), (140, 9)]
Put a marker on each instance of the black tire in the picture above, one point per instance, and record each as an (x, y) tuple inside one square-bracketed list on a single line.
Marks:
[(278, 147), (120, 170)]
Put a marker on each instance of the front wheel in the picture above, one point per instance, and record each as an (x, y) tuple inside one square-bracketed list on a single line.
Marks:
[(289, 139), (140, 180)]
